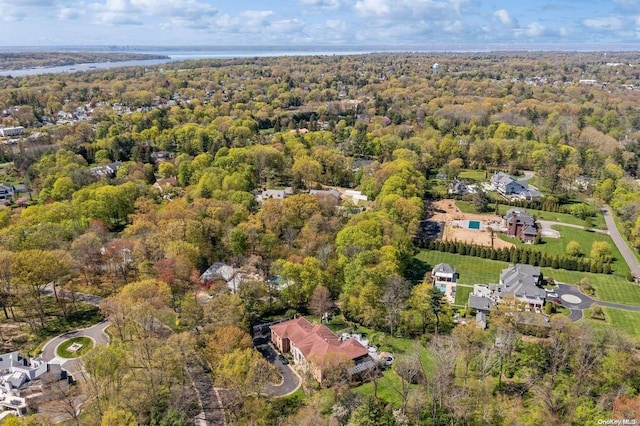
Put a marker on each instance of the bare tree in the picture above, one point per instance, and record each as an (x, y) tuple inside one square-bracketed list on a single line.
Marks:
[(446, 356), (320, 301), (394, 299), (410, 370)]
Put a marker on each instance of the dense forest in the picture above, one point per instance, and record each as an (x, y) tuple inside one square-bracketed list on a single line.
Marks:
[(138, 179)]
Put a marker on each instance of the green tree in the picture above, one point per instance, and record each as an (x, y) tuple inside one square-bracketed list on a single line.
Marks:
[(600, 251), (573, 248)]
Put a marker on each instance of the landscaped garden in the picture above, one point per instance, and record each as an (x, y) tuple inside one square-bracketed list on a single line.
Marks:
[(74, 347)]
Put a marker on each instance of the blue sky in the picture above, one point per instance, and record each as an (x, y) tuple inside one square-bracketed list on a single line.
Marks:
[(427, 24)]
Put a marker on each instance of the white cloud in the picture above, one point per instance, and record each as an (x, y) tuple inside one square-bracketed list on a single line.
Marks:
[(453, 27), (256, 17), (70, 13), (410, 9), (604, 23), (17, 10), (322, 4), (503, 16), (372, 7), (534, 29)]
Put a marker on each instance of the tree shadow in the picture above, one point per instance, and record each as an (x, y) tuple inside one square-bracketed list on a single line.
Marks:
[(416, 270)]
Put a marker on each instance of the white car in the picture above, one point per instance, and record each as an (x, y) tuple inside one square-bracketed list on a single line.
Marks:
[(552, 295)]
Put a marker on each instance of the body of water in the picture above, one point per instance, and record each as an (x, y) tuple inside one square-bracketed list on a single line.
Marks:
[(177, 56)]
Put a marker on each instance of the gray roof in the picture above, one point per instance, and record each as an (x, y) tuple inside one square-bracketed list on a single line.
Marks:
[(520, 216), (533, 193), (530, 230), (324, 192), (480, 303), (444, 268), (218, 270), (501, 177), (521, 281)]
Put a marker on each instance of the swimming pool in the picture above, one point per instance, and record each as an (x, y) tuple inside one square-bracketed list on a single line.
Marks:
[(474, 224)]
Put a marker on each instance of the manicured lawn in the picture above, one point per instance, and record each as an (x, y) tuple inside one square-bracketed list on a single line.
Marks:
[(397, 346), (626, 321), (473, 175), (557, 246), (64, 352), (462, 294), (475, 270), (471, 270)]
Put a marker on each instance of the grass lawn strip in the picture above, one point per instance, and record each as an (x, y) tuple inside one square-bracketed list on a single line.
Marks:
[(557, 246), (63, 349)]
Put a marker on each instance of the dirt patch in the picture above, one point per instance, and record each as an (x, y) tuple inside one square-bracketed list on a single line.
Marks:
[(447, 212)]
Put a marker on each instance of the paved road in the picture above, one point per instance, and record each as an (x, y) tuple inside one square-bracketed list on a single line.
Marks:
[(290, 380), (548, 231), (95, 332), (585, 301), (90, 299), (626, 252), (212, 407)]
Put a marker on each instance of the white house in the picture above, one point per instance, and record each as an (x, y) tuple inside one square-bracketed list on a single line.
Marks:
[(11, 131), (445, 277), (511, 188), (233, 277)]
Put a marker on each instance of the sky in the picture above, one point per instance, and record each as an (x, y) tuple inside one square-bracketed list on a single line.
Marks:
[(425, 24)]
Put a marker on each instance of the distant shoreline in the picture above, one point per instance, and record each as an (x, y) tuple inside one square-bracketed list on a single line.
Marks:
[(18, 61)]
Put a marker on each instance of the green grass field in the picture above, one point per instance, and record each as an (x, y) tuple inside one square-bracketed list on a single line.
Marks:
[(462, 294), (625, 321), (557, 246), (473, 175), (474, 270), (64, 352)]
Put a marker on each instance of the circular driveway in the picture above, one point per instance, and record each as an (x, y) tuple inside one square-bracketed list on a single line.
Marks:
[(571, 298), (73, 365)]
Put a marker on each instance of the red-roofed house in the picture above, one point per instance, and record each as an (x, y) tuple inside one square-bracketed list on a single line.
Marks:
[(316, 347)]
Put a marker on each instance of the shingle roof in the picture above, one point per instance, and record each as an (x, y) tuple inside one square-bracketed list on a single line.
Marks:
[(480, 303), (444, 268), (521, 280), (317, 341)]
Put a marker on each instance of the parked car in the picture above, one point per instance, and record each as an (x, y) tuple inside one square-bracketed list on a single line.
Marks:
[(283, 359), (552, 295)]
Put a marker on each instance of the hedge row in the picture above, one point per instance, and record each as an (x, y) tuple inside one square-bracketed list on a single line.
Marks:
[(519, 255)]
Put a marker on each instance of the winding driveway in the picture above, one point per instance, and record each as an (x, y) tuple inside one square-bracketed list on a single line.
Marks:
[(95, 333), (571, 297), (626, 252), (549, 232), (290, 380)]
